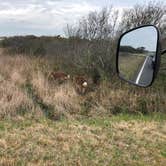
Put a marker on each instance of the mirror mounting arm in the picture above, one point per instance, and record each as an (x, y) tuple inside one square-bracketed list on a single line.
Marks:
[(163, 52)]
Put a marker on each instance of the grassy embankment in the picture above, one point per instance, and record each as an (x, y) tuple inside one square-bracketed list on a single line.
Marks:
[(130, 64), (41, 123), (120, 140)]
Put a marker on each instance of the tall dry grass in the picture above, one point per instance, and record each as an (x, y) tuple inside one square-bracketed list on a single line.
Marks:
[(24, 87), (18, 71)]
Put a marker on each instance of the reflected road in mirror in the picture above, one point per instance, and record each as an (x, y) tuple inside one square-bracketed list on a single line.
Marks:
[(146, 71)]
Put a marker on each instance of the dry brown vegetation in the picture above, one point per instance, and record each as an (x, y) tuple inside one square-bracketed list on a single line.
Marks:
[(42, 123), (24, 87)]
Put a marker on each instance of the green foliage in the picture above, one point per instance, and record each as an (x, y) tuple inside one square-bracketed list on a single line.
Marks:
[(130, 49), (48, 110), (86, 106), (142, 106), (119, 109), (22, 110), (29, 45)]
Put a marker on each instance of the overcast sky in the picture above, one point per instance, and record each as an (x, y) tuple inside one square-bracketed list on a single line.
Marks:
[(143, 37), (49, 17)]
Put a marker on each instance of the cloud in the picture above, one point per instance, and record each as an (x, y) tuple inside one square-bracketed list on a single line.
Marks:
[(41, 16), (48, 17)]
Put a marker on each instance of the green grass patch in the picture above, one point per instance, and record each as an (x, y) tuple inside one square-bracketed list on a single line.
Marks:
[(118, 140)]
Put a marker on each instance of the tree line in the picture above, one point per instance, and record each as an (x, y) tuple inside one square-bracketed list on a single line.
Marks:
[(90, 45)]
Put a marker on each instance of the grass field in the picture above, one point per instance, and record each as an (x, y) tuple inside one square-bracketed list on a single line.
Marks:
[(118, 140), (130, 64), (45, 124)]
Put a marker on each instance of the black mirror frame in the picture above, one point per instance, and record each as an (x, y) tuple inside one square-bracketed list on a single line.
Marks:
[(157, 61)]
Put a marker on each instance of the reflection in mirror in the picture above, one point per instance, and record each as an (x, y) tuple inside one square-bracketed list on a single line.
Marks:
[(137, 55)]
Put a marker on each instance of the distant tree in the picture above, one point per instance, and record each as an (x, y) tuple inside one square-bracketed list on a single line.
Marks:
[(129, 49), (97, 25), (98, 29), (153, 12), (141, 49)]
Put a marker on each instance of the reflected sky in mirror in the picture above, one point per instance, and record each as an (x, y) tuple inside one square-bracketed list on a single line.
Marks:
[(145, 36)]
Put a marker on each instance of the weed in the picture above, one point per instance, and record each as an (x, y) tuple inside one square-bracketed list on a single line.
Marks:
[(48, 110)]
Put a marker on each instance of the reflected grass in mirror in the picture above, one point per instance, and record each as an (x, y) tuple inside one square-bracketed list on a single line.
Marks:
[(133, 62)]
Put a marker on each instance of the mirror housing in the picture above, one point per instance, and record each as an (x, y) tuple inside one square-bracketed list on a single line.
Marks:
[(138, 55)]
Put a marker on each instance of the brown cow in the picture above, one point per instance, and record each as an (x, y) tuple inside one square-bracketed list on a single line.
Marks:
[(81, 84), (59, 77)]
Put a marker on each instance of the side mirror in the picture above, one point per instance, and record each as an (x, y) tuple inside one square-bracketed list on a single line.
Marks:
[(138, 55)]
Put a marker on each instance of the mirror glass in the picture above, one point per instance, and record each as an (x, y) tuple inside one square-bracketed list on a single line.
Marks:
[(137, 55)]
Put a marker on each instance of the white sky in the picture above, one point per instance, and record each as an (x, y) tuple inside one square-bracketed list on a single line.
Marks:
[(143, 37), (49, 17)]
